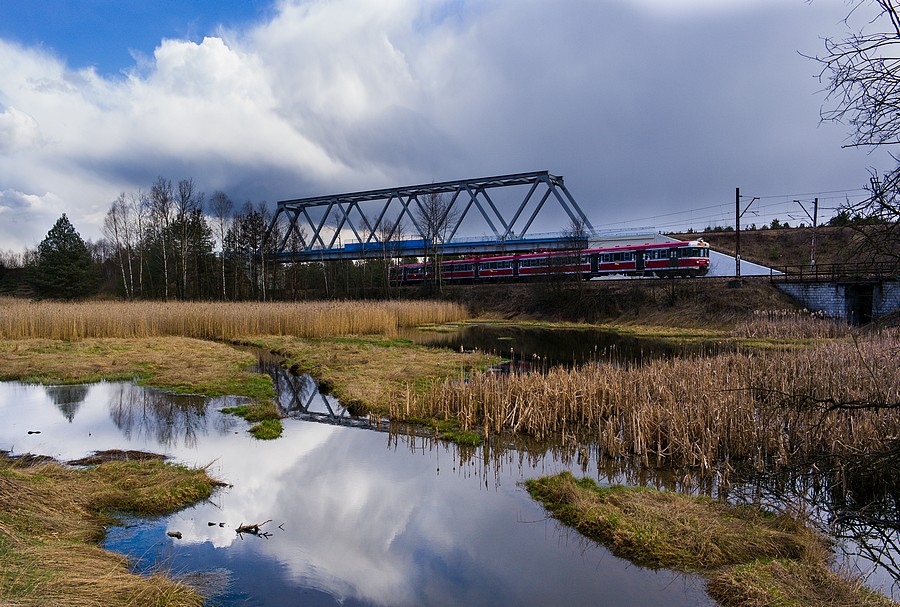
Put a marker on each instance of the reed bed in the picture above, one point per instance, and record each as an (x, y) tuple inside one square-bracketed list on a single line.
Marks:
[(760, 408), (21, 319), (792, 324)]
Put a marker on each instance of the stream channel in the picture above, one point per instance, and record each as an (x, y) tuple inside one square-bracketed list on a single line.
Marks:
[(359, 514)]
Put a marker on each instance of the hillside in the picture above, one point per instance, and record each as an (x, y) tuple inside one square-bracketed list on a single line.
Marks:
[(790, 246)]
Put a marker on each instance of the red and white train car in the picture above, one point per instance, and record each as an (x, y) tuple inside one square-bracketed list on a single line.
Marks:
[(687, 259)]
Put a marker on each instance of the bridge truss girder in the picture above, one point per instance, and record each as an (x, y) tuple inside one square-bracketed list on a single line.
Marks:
[(465, 194)]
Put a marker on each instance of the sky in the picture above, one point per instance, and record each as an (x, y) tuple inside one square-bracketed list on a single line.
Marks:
[(653, 111)]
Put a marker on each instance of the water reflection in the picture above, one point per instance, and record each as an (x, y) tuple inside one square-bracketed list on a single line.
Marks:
[(67, 398), (154, 416)]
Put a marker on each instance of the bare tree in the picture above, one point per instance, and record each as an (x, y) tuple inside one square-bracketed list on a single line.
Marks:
[(114, 232), (222, 208), (188, 200), (435, 214), (575, 238), (862, 72), (140, 207), (162, 200), (390, 235)]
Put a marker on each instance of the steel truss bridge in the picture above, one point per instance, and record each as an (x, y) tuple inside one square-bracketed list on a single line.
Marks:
[(391, 222)]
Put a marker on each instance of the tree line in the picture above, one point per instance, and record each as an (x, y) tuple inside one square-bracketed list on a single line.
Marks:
[(171, 241)]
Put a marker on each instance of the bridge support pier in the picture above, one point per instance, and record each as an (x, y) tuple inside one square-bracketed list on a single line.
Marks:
[(854, 302)]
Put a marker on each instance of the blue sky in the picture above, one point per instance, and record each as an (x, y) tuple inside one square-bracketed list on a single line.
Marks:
[(106, 33), (652, 110)]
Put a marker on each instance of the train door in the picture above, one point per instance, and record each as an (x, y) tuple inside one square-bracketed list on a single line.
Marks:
[(639, 263), (673, 258)]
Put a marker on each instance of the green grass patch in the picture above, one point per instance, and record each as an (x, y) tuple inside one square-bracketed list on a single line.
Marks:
[(449, 430), (267, 429), (264, 416), (750, 556)]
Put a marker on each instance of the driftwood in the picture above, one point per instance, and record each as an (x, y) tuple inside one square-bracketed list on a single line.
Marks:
[(253, 529)]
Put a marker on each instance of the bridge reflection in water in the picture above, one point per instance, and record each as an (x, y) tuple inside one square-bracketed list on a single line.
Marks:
[(299, 395)]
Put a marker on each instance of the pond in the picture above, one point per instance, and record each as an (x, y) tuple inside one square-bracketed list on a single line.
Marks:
[(529, 347), (357, 516)]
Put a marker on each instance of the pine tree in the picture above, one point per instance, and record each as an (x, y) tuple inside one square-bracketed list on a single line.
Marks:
[(63, 268)]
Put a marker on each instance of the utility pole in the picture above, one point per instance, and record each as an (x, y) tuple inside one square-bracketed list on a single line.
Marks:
[(737, 233), (812, 259), (738, 213), (815, 225)]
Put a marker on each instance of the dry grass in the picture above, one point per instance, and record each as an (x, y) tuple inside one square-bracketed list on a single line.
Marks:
[(752, 557), (791, 324), (175, 363), (694, 412), (20, 319), (786, 583), (371, 372), (51, 518)]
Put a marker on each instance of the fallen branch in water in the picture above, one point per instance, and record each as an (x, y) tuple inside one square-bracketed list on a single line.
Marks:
[(253, 529)]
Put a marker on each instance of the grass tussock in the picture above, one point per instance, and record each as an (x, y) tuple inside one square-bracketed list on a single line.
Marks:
[(666, 529), (51, 518), (760, 408), (751, 557), (20, 319), (264, 416)]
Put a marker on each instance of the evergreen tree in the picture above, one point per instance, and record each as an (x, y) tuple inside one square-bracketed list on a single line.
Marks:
[(63, 267)]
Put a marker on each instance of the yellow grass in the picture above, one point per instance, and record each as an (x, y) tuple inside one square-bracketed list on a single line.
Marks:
[(791, 324), (20, 319), (51, 518), (175, 363), (696, 412), (371, 372)]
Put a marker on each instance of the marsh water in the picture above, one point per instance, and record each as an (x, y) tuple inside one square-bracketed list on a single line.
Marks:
[(528, 346), (354, 512)]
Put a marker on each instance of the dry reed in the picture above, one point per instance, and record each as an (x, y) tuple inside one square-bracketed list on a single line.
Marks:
[(20, 319), (753, 407), (792, 324)]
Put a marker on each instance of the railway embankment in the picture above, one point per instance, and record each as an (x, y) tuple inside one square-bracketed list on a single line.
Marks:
[(706, 302)]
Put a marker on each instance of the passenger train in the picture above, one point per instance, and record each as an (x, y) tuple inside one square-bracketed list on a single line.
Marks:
[(687, 259)]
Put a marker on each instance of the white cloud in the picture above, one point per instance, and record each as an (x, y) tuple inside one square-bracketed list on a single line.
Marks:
[(18, 130)]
